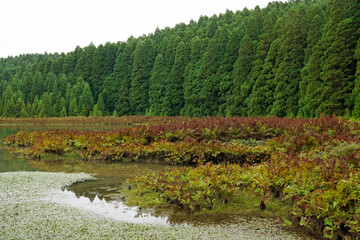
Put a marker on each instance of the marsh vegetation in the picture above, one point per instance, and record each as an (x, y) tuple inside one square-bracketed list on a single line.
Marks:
[(304, 172)]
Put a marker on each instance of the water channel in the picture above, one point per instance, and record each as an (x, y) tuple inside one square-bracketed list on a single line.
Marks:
[(104, 195)]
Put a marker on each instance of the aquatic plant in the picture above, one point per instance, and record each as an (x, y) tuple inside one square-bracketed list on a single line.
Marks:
[(310, 164), (27, 213)]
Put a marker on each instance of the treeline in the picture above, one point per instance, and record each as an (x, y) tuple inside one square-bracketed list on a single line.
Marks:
[(299, 58)]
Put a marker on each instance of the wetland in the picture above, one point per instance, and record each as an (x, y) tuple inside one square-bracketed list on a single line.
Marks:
[(123, 188)]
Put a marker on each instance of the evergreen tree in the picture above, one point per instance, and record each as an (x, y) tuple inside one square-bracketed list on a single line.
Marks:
[(70, 61), (313, 37), (20, 109), (47, 110), (226, 70), (174, 91), (356, 90), (143, 63), (63, 112), (85, 62), (157, 86), (122, 71), (109, 94), (56, 66), (242, 82), (97, 72), (57, 105), (96, 111), (26, 84), (338, 70), (101, 105), (10, 110), (192, 83), (292, 55), (73, 108), (253, 29), (212, 27), (256, 99), (296, 58), (62, 84), (109, 59), (209, 77), (86, 101), (29, 110)]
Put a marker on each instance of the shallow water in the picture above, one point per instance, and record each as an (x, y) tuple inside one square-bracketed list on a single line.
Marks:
[(103, 196), (114, 209), (8, 163)]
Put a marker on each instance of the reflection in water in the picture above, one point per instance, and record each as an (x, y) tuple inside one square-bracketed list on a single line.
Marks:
[(103, 196), (9, 163), (107, 208)]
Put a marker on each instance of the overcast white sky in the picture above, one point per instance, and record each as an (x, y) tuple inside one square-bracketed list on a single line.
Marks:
[(36, 26)]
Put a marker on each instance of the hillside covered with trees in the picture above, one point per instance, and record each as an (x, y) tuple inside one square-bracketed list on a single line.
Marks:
[(299, 58)]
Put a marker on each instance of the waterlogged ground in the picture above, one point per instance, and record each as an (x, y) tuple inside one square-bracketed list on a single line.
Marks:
[(48, 205), (26, 212)]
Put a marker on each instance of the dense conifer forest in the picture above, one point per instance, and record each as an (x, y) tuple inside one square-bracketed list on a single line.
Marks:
[(299, 58)]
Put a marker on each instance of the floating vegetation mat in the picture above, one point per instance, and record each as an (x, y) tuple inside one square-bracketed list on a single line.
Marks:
[(26, 214)]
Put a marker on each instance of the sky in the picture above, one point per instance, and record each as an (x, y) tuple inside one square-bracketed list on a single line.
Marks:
[(38, 26)]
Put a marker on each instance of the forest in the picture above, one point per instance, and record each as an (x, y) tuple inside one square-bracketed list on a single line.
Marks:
[(300, 58)]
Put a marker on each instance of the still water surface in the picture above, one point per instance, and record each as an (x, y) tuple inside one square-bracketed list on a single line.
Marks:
[(104, 195)]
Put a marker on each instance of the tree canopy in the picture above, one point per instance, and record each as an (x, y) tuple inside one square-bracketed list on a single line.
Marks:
[(299, 58)]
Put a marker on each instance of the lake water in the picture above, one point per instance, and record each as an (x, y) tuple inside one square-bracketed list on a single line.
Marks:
[(104, 195)]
